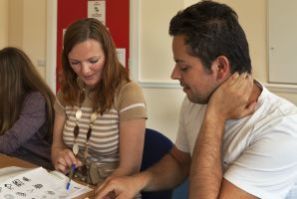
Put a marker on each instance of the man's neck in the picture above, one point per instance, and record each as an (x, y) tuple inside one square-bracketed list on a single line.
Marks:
[(256, 92)]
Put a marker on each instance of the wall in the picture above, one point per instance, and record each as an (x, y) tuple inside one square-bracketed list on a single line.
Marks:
[(25, 28), (282, 42), (34, 32), (15, 23), (151, 62), (3, 23)]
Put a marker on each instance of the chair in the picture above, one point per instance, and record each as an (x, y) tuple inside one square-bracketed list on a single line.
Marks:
[(181, 192), (156, 145)]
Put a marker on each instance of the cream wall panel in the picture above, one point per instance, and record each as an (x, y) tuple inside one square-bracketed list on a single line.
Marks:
[(152, 62), (34, 32), (27, 29), (15, 23), (156, 60), (163, 109), (282, 42), (3, 23)]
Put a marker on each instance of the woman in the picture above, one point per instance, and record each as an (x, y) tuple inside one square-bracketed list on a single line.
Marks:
[(26, 109), (100, 114)]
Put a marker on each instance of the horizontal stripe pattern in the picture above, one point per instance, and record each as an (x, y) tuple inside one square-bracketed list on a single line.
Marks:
[(104, 141)]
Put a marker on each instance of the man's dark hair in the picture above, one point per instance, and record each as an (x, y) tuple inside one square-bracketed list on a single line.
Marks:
[(212, 29)]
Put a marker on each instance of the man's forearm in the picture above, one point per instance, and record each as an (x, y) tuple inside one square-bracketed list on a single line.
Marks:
[(206, 168), (166, 174)]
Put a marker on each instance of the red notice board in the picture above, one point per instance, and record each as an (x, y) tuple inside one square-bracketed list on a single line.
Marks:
[(117, 20)]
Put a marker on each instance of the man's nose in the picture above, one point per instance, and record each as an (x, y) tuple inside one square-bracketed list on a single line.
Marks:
[(175, 74)]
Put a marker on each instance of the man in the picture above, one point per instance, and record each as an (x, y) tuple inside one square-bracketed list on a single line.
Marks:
[(235, 138)]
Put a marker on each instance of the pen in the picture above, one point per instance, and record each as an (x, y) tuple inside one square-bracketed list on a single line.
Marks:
[(70, 176)]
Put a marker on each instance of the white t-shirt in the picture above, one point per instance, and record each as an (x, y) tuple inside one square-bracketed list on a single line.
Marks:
[(259, 151)]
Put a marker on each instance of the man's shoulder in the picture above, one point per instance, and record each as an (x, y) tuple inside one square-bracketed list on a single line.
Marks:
[(274, 113), (281, 104)]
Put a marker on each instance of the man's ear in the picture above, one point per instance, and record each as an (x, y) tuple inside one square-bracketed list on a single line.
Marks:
[(222, 68)]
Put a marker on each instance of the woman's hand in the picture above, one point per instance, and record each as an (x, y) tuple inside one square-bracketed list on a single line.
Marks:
[(63, 160)]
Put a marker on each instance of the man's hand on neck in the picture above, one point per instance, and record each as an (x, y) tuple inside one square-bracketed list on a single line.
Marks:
[(235, 98)]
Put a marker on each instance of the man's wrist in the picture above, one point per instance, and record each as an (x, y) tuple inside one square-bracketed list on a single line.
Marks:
[(214, 117), (142, 180)]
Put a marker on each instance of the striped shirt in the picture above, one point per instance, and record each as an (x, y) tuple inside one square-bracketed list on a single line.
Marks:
[(103, 145)]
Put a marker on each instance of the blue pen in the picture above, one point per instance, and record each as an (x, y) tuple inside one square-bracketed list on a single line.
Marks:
[(73, 167)]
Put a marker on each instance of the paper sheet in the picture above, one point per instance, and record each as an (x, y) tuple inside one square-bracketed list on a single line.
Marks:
[(37, 183)]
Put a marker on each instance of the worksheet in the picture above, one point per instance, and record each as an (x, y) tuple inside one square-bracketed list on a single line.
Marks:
[(37, 183)]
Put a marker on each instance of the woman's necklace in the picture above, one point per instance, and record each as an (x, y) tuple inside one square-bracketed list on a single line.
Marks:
[(76, 130)]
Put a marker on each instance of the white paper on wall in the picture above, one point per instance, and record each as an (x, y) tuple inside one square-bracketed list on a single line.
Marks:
[(97, 10), (122, 55)]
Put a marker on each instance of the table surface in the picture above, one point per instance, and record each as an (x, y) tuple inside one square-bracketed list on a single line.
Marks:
[(6, 161)]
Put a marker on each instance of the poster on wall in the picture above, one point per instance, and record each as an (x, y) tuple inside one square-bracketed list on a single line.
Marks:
[(97, 10), (121, 52)]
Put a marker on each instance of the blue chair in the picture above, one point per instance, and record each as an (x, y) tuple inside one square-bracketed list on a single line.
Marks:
[(156, 145), (181, 192)]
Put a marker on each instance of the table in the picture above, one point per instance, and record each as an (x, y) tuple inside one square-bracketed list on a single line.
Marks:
[(6, 161)]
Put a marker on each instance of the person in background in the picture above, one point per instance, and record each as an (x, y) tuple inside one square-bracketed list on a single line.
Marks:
[(100, 114), (235, 139), (26, 109)]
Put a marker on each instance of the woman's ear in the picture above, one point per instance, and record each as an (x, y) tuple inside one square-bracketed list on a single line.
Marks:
[(221, 67)]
